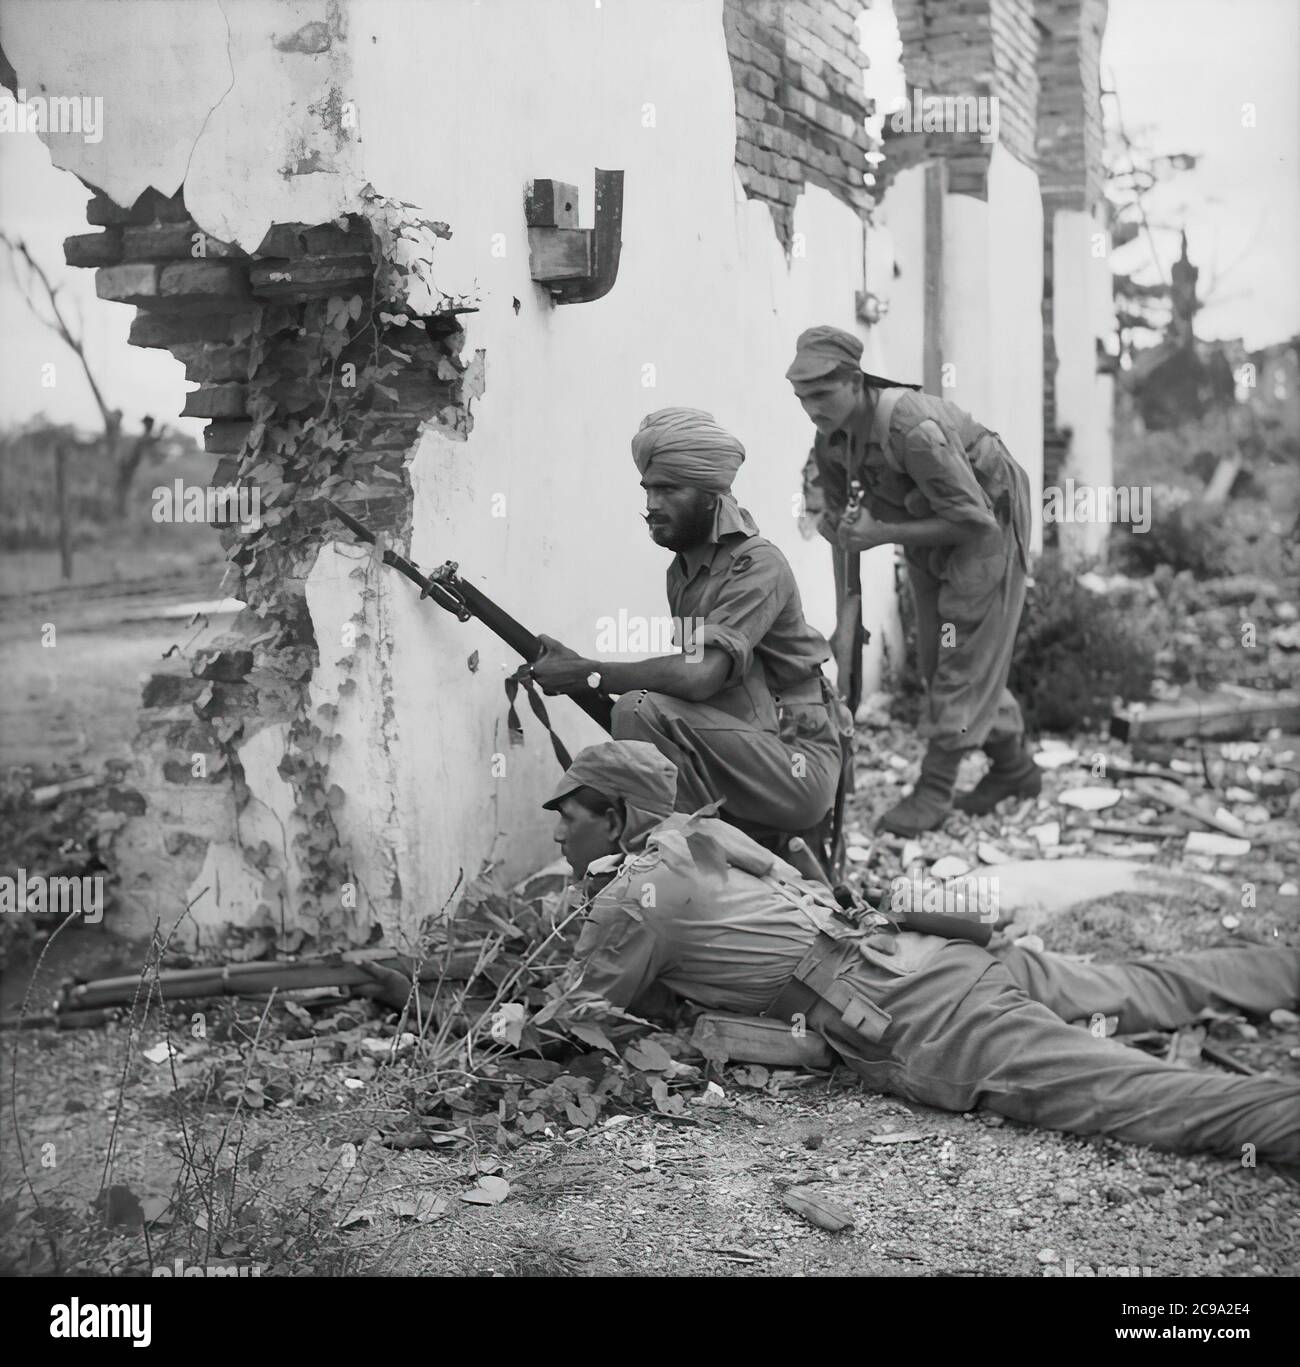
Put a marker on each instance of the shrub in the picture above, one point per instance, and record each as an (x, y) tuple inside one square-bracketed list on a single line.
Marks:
[(1210, 542), (1077, 651)]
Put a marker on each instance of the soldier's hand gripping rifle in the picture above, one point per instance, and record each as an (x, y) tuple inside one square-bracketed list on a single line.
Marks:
[(446, 588)]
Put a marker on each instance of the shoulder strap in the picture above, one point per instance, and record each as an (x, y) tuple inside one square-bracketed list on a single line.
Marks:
[(886, 401)]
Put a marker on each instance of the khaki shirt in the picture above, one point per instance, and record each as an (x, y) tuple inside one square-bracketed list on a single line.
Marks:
[(711, 933), (728, 936), (738, 593), (934, 461)]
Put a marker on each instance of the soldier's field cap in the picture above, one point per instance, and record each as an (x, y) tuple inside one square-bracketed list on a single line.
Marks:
[(820, 351), (631, 769)]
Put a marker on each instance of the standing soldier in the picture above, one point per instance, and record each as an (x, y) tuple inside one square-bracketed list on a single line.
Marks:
[(898, 466)]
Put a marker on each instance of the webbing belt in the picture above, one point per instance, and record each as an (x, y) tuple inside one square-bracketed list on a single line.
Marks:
[(816, 978)]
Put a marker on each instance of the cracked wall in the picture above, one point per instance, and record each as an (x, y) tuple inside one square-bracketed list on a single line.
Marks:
[(704, 313)]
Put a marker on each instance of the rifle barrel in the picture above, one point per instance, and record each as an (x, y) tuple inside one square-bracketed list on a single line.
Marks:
[(450, 591)]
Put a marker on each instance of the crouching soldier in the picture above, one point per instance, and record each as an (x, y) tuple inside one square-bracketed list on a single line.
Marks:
[(744, 712), (690, 904), (898, 466)]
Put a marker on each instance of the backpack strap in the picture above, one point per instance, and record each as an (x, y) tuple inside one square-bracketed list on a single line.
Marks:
[(886, 401)]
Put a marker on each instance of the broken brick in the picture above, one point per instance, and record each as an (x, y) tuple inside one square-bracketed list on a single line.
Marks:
[(103, 212), (217, 401), (150, 329), (186, 281), (229, 666), (224, 438), (133, 283), (311, 277), (168, 690), (93, 249), (171, 241)]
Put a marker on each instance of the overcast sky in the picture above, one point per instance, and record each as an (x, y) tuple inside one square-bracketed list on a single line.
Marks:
[(1183, 69)]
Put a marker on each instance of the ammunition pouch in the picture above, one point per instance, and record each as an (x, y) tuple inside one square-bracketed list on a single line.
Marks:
[(818, 977)]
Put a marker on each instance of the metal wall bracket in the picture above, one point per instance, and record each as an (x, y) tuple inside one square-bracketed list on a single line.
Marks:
[(576, 264)]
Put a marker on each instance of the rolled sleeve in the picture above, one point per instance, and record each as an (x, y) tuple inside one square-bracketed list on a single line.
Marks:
[(747, 604), (937, 464), (620, 955)]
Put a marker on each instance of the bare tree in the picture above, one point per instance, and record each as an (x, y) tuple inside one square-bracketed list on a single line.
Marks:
[(34, 283)]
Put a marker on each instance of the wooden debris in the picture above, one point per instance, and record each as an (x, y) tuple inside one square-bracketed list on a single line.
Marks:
[(1090, 799), (1173, 797), (1136, 829), (758, 1039), (817, 1210), (52, 792), (1216, 843), (1226, 1060), (1224, 714)]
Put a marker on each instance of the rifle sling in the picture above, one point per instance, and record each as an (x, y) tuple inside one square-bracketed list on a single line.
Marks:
[(522, 677)]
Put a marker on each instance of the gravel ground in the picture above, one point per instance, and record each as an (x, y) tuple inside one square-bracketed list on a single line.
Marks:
[(929, 1193)]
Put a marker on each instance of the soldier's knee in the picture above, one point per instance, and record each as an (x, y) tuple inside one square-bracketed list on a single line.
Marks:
[(634, 714)]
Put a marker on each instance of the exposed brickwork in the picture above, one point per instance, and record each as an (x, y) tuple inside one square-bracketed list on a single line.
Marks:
[(798, 71), (963, 48), (194, 306), (1070, 170), (200, 299), (1069, 106), (1015, 67)]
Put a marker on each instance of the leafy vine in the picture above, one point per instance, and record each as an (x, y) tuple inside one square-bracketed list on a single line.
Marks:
[(328, 420)]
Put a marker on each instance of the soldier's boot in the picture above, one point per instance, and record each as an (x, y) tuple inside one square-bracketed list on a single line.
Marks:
[(928, 804), (1013, 773)]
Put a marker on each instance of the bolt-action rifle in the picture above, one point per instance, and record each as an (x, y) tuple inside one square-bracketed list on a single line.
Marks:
[(446, 588)]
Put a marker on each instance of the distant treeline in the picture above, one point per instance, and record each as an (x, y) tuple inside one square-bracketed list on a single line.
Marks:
[(29, 518)]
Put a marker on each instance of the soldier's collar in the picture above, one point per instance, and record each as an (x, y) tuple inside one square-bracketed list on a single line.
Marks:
[(607, 863), (696, 557), (705, 554)]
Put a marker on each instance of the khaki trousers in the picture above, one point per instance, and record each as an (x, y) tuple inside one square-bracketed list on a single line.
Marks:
[(969, 1028)]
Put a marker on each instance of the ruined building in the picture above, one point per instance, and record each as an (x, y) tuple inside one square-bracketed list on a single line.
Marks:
[(435, 262)]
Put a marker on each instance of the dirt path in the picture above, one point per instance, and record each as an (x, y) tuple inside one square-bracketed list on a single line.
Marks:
[(930, 1193), (78, 701)]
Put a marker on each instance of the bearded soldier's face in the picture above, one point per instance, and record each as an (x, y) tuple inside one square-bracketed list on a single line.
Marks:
[(678, 516)]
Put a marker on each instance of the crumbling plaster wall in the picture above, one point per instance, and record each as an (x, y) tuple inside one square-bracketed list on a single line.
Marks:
[(704, 313), (1083, 315), (456, 106), (1081, 301), (992, 327)]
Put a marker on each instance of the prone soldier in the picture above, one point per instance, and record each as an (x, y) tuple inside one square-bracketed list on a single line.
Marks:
[(689, 904)]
